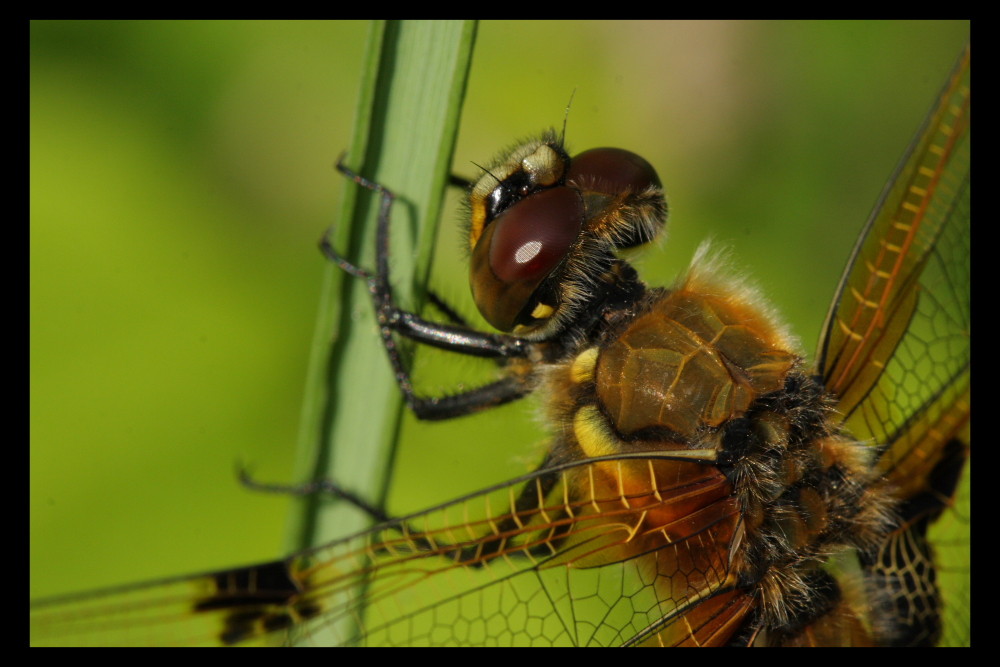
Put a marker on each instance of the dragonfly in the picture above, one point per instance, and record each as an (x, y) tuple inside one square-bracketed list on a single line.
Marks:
[(704, 486)]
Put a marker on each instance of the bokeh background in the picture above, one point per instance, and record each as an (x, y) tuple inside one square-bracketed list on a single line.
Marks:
[(181, 175)]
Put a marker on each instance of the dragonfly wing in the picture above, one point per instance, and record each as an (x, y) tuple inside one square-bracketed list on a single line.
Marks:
[(896, 352), (600, 552)]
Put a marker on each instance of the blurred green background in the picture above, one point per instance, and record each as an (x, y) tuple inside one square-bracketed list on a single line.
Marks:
[(181, 175)]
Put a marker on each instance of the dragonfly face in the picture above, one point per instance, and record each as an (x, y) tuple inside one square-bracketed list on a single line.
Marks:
[(704, 485)]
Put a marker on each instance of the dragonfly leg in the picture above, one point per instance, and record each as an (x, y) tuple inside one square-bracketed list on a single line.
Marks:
[(325, 486), (456, 337), (528, 499)]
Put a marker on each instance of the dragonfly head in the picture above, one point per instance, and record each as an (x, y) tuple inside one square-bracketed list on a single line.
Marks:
[(544, 229)]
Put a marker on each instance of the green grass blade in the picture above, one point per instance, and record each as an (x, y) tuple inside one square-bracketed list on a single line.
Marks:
[(405, 133), (405, 130)]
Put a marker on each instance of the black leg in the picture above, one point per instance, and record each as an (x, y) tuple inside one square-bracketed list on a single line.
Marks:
[(446, 309), (325, 486), (505, 529), (452, 337)]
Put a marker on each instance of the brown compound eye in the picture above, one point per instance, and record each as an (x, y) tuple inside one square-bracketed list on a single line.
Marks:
[(534, 235), (618, 180), (520, 249), (612, 170)]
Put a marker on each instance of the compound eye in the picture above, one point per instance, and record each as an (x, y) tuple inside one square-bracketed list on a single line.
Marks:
[(520, 249), (616, 179), (534, 235), (612, 170)]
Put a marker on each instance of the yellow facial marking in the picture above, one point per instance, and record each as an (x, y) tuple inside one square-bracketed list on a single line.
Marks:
[(542, 311)]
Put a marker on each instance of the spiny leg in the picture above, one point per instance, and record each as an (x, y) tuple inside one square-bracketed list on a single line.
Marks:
[(454, 338), (505, 527)]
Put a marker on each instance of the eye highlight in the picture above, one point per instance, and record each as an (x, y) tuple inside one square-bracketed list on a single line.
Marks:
[(527, 252)]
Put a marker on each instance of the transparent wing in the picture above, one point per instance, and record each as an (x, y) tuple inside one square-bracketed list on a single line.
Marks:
[(895, 347), (626, 550), (896, 353)]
